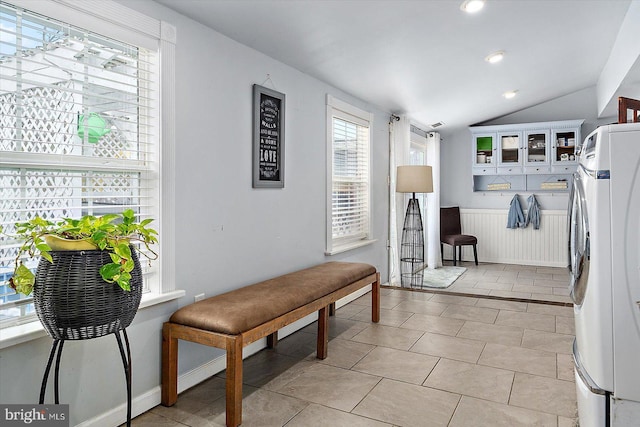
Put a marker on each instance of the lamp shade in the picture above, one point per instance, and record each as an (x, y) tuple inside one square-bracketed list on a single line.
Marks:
[(414, 179)]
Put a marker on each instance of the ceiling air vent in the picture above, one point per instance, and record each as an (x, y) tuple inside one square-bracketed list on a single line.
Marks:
[(435, 125)]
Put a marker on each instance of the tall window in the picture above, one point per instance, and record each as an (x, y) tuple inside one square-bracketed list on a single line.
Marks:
[(77, 131), (418, 156), (349, 209)]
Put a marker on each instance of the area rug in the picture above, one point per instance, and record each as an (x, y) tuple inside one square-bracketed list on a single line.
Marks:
[(441, 277)]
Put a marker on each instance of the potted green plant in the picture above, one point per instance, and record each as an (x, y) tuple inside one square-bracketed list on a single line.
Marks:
[(88, 282), (112, 233)]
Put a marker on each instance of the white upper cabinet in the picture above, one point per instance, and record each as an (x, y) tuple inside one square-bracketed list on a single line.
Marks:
[(520, 152), (510, 152), (563, 156), (484, 153), (537, 154)]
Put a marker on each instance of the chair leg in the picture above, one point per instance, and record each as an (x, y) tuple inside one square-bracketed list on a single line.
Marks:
[(441, 251), (454, 255), (475, 254)]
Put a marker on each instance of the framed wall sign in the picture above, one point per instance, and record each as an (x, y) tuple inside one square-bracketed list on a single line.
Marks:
[(268, 138)]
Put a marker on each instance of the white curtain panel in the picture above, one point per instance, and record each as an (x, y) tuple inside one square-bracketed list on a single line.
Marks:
[(432, 250), (399, 144)]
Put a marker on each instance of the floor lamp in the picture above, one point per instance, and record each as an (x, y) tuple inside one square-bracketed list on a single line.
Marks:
[(413, 179)]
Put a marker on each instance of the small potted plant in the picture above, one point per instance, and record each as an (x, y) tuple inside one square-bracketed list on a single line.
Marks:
[(88, 282)]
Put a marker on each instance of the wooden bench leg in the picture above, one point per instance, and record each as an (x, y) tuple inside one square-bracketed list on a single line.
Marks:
[(234, 381), (323, 333), (169, 394), (332, 309), (272, 340), (375, 300)]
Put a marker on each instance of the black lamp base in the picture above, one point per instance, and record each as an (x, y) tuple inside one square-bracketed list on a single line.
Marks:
[(412, 247)]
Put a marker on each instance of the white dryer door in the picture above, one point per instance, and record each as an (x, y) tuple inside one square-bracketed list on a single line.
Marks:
[(579, 245)]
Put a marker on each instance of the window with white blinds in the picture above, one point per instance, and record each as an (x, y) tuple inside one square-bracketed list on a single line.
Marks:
[(77, 131), (349, 210)]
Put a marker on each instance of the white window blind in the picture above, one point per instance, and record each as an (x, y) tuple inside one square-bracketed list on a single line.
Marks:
[(78, 131), (350, 182)]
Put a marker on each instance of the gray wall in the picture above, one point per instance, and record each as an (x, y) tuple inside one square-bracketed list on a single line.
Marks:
[(265, 232), (456, 178)]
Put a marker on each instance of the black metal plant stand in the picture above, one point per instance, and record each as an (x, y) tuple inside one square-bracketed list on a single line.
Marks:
[(73, 302), (58, 344), (412, 247)]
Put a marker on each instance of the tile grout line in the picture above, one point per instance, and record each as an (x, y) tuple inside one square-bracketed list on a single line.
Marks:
[(493, 297)]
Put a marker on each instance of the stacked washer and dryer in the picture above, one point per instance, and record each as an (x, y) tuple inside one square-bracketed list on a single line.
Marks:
[(604, 258)]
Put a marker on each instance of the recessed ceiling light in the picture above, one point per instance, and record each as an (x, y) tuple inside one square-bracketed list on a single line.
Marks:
[(495, 57), (510, 94), (472, 6)]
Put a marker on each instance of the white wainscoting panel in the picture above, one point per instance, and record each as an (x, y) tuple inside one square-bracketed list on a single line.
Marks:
[(526, 246)]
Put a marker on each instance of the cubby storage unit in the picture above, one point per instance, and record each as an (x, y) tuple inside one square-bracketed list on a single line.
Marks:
[(525, 157)]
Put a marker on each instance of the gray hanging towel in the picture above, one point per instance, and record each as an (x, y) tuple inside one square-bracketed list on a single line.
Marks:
[(533, 213), (516, 217)]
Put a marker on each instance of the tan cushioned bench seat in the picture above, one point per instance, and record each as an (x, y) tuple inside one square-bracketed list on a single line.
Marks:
[(236, 312)]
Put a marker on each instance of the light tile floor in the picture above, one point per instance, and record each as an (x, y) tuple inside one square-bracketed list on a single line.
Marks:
[(513, 281), (433, 360)]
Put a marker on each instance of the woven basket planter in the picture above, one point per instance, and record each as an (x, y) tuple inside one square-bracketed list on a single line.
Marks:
[(72, 300)]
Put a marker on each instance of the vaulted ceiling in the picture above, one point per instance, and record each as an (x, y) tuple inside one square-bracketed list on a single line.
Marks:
[(427, 58)]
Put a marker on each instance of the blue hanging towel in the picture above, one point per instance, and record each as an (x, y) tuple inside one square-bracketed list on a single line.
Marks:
[(533, 213), (516, 217)]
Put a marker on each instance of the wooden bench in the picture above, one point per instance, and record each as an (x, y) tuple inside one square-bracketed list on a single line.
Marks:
[(235, 319)]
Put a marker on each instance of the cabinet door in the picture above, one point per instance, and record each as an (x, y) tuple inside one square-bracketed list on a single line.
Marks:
[(537, 169), (509, 149), (564, 167), (564, 146), (509, 170), (486, 170), (537, 148), (484, 149)]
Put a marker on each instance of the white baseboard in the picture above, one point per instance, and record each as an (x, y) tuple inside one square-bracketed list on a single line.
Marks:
[(535, 262), (118, 415), (151, 398)]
